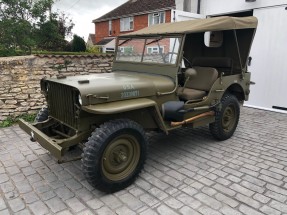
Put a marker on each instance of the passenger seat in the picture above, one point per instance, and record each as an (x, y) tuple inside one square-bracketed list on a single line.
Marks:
[(198, 86)]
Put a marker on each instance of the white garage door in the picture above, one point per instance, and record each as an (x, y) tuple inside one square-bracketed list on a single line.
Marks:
[(269, 60)]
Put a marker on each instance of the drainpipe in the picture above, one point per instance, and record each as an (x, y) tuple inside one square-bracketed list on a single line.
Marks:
[(198, 6), (174, 16)]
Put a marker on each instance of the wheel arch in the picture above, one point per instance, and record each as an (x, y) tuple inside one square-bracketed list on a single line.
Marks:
[(237, 91)]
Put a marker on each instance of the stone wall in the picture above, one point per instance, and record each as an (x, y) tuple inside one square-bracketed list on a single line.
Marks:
[(20, 78)]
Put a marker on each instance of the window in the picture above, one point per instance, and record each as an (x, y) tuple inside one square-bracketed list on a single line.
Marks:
[(110, 50), (127, 24), (126, 49), (155, 50), (110, 27), (156, 18)]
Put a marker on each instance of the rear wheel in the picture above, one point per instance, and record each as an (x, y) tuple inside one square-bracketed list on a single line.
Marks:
[(114, 155), (226, 119)]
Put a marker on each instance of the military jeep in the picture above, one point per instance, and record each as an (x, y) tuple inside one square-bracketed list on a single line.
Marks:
[(164, 77)]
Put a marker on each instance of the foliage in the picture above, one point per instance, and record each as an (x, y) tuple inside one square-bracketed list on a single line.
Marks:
[(51, 34), (94, 49), (12, 120), (7, 123), (78, 44), (29, 24)]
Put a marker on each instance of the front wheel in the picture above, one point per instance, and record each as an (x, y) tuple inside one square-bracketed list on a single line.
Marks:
[(114, 155), (226, 119)]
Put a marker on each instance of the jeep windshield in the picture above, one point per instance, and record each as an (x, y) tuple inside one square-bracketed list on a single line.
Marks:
[(159, 50)]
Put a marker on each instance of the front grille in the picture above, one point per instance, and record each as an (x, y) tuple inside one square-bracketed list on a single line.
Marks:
[(61, 103)]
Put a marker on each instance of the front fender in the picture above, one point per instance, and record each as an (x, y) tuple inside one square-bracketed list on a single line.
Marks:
[(125, 106), (119, 106)]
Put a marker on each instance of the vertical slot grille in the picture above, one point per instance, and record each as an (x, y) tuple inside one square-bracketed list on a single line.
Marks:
[(61, 102)]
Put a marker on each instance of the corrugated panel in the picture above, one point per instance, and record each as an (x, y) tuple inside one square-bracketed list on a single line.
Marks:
[(61, 102)]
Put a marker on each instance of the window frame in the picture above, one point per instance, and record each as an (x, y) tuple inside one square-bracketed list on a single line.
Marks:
[(144, 53), (123, 48), (154, 47), (130, 20), (151, 18)]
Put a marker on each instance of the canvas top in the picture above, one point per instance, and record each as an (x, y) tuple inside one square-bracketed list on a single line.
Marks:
[(199, 25)]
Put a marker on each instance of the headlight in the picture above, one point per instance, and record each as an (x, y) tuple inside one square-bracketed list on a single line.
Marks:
[(80, 99)]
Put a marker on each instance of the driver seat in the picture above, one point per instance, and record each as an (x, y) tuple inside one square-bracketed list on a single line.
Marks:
[(197, 87)]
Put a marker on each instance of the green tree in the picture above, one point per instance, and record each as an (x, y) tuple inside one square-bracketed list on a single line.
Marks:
[(18, 20), (27, 24), (78, 44), (51, 34)]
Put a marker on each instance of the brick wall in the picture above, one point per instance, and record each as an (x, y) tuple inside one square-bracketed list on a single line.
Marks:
[(140, 22), (20, 78)]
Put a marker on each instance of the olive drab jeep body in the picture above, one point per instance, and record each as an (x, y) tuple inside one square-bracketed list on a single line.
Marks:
[(164, 77)]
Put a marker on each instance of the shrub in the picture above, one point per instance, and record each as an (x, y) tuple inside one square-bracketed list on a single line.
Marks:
[(78, 44)]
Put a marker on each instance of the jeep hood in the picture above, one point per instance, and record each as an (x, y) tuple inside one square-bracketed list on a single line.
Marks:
[(108, 87)]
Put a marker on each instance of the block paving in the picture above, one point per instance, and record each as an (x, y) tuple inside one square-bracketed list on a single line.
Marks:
[(187, 172)]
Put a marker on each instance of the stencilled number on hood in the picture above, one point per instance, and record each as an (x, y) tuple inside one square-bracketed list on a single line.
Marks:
[(129, 94), (128, 87), (130, 91)]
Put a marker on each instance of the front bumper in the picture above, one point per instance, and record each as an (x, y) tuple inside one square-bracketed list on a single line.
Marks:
[(55, 146)]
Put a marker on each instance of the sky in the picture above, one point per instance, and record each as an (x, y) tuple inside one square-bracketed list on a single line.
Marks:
[(83, 12)]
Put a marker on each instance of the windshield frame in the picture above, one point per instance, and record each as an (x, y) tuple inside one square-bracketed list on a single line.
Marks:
[(156, 39)]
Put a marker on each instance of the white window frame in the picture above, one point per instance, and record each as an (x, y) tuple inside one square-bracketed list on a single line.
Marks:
[(127, 24), (122, 48), (152, 18), (154, 49)]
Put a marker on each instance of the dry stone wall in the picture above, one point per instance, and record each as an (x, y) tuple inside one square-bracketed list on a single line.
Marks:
[(20, 78)]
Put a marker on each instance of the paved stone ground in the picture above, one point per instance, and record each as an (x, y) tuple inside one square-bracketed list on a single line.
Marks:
[(187, 172)]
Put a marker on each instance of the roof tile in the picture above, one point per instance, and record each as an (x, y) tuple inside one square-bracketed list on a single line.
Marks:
[(137, 6)]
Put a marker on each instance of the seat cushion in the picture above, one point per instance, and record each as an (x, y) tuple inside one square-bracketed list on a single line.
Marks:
[(190, 94), (204, 79)]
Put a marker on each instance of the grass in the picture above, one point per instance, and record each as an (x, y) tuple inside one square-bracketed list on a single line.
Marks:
[(13, 120)]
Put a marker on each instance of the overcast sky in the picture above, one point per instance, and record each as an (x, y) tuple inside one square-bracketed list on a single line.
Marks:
[(83, 12)]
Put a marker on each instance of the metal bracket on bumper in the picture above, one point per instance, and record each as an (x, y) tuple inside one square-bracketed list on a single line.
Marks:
[(55, 146)]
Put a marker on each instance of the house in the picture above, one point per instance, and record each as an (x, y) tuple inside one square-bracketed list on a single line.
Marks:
[(107, 45), (91, 40), (132, 16)]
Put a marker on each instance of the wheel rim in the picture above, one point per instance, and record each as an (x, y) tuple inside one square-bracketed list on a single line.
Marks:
[(120, 157), (229, 118)]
